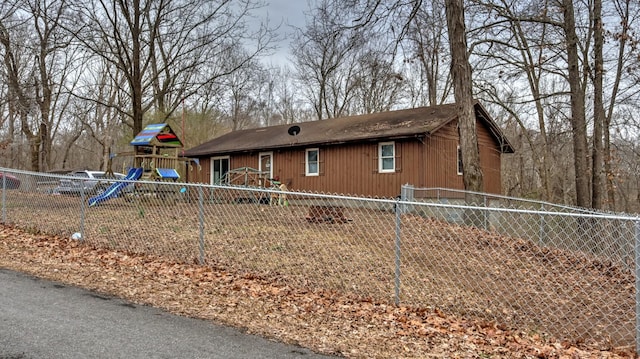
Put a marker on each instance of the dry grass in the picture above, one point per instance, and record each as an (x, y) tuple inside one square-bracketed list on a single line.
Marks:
[(465, 272)]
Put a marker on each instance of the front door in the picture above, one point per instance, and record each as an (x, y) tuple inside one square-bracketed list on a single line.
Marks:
[(266, 164)]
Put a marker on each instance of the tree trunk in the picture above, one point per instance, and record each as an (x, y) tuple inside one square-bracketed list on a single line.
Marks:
[(544, 154), (34, 142), (578, 120), (44, 99), (597, 183), (136, 76), (622, 39), (461, 74), (20, 101)]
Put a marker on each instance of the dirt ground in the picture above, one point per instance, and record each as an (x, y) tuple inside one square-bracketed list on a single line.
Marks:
[(466, 293), (326, 321)]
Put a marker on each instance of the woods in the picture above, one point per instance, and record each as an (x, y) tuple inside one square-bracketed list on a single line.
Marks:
[(80, 79)]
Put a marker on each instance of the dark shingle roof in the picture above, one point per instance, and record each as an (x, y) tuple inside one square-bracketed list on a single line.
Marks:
[(384, 125)]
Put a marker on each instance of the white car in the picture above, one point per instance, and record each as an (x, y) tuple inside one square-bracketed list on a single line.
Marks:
[(91, 182)]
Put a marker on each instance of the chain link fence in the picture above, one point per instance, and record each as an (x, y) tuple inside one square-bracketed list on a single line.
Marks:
[(609, 237), (554, 271)]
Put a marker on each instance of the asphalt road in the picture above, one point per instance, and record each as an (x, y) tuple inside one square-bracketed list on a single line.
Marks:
[(43, 319)]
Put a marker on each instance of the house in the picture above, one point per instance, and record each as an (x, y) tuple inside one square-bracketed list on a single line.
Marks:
[(370, 155)]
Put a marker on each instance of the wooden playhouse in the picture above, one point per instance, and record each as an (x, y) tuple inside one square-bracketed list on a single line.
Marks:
[(157, 151)]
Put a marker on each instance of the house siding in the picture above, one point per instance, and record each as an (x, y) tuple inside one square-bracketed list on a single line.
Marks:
[(200, 173), (490, 159), (441, 159), (441, 156), (352, 168), (348, 169)]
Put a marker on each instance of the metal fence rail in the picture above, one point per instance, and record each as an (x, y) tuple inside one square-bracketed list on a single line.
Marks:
[(566, 274), (608, 236)]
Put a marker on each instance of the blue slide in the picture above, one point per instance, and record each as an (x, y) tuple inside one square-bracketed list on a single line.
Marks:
[(116, 187)]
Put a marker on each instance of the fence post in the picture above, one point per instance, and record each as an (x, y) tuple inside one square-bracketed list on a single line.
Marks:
[(637, 261), (82, 209), (406, 194), (201, 223), (543, 230), (485, 214), (397, 249), (4, 198)]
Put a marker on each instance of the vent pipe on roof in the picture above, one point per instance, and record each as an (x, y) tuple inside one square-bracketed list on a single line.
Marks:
[(293, 130)]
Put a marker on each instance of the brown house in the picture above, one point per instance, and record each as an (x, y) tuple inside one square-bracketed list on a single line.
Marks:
[(371, 155)]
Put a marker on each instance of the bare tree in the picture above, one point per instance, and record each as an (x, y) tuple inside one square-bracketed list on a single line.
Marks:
[(19, 100), (427, 45), (7, 116), (626, 11), (289, 106), (525, 41), (578, 116), (461, 74), (597, 182), (512, 51), (99, 118), (324, 55), (242, 92), (167, 50), (37, 68), (378, 84)]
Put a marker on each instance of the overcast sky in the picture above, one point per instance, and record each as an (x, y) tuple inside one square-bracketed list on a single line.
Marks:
[(290, 13)]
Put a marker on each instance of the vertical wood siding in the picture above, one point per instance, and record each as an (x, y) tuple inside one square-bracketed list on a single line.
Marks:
[(352, 169), (490, 157), (200, 174)]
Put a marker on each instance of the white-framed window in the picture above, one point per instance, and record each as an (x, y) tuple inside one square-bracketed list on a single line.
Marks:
[(386, 157), (459, 160), (312, 162), (219, 168), (265, 163)]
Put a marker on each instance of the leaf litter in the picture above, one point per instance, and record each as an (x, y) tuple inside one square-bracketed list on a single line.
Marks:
[(326, 321)]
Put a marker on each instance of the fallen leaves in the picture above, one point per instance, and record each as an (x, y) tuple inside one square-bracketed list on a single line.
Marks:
[(325, 321)]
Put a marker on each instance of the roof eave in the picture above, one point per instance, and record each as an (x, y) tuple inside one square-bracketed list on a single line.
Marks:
[(310, 144), (503, 141)]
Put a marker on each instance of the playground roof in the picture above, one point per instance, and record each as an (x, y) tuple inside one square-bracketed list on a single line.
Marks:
[(158, 134)]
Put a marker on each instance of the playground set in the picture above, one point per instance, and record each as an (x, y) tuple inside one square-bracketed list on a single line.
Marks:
[(155, 158)]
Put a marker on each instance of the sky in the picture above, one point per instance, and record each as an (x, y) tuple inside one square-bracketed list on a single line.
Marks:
[(290, 13)]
